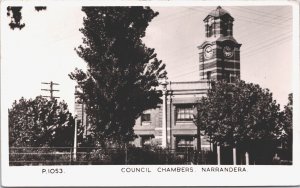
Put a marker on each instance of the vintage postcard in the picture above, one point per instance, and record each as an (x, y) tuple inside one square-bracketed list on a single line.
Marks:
[(150, 93)]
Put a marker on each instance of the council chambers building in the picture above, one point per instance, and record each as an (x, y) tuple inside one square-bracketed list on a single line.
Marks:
[(171, 123)]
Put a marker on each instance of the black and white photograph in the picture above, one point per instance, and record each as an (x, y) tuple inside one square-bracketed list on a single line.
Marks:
[(149, 88)]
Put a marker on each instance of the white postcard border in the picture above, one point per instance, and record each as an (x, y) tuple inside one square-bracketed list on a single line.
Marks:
[(112, 175)]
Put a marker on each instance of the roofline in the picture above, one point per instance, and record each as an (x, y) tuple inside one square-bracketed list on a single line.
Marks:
[(218, 16)]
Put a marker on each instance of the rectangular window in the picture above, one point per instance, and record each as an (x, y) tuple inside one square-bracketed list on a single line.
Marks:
[(185, 113), (184, 143), (146, 117), (208, 75), (232, 78)]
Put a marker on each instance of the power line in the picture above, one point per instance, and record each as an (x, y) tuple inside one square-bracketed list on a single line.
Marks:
[(262, 13), (264, 49), (51, 90), (248, 19), (270, 44), (267, 44), (171, 18), (261, 49), (275, 21)]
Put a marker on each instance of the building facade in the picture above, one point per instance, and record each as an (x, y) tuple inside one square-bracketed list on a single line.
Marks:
[(171, 125)]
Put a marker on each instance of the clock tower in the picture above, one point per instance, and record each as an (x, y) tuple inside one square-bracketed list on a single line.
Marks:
[(219, 54)]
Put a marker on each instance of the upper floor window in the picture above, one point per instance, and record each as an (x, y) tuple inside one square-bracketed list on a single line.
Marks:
[(225, 28), (210, 27), (146, 116), (185, 113), (208, 74)]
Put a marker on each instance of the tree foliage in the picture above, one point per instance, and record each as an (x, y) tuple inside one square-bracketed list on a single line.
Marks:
[(40, 8), (40, 122), (16, 17), (240, 115), (122, 73), (15, 13), (288, 123)]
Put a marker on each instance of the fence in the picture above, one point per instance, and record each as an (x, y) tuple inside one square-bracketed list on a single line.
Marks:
[(119, 156), (29, 156)]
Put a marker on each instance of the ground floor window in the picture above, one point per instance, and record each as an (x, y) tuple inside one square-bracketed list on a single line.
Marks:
[(184, 142), (146, 140)]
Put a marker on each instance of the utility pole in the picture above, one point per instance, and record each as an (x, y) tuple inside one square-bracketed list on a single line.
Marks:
[(164, 115), (75, 141), (83, 117), (51, 89)]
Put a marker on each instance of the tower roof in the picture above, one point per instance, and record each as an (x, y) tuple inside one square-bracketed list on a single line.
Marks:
[(218, 12)]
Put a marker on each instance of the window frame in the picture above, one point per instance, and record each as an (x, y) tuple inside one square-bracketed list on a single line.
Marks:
[(148, 119), (184, 110)]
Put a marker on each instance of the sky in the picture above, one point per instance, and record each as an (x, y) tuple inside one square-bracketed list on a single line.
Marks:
[(43, 50)]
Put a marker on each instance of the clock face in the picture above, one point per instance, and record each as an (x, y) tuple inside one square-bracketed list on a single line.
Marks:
[(228, 51), (208, 52)]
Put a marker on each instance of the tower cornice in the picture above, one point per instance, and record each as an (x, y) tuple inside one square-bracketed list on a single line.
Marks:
[(219, 40), (218, 13)]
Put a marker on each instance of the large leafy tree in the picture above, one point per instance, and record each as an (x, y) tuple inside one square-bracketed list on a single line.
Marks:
[(122, 73), (288, 125), (241, 115), (40, 122)]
